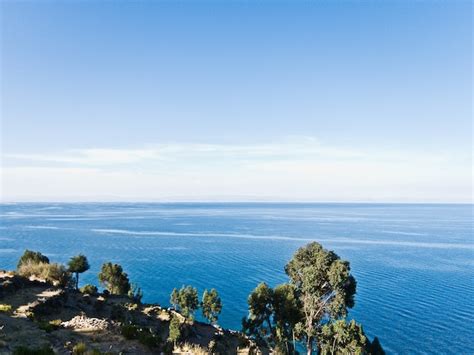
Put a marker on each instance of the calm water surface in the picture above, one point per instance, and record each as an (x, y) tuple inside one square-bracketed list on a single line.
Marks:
[(413, 263)]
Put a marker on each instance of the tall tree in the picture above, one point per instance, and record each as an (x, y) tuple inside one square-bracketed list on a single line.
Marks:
[(77, 265), (211, 305), (114, 279), (325, 288)]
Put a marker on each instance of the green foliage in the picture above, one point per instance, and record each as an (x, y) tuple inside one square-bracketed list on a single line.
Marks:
[(273, 315), (114, 279), (129, 331), (375, 348), (258, 324), (135, 293), (211, 305), (324, 285), (34, 257), (187, 300), (174, 298), (5, 308), (286, 314), (143, 335), (341, 337), (79, 349), (78, 264), (89, 289), (50, 326), (24, 350), (117, 312), (174, 330)]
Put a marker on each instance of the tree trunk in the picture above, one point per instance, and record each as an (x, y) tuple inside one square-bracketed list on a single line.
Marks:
[(309, 346), (77, 280)]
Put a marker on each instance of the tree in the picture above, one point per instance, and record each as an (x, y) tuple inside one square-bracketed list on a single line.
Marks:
[(286, 314), (259, 324), (324, 286), (32, 257), (114, 279), (211, 305), (174, 330), (78, 264), (187, 300), (174, 298), (341, 337), (135, 293), (375, 348), (273, 314)]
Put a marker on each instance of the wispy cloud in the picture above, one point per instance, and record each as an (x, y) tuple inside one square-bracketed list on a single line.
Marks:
[(300, 168)]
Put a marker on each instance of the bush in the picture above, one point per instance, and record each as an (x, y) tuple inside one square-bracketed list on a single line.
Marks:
[(50, 326), (89, 289), (34, 257), (144, 335), (24, 350), (5, 308), (54, 273), (79, 349), (129, 331)]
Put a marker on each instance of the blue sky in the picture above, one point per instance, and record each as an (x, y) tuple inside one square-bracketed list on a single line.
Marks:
[(265, 100)]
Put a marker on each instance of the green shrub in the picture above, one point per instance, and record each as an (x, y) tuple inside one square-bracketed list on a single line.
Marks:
[(5, 308), (34, 257), (79, 349), (129, 331), (147, 338), (117, 313), (89, 289), (144, 335), (50, 326), (24, 350)]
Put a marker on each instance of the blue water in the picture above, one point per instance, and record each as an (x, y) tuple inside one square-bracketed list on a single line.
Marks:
[(413, 263)]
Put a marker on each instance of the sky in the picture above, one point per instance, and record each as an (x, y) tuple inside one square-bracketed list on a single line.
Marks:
[(344, 101)]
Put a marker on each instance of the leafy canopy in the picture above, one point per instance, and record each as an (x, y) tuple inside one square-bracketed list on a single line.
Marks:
[(325, 288), (341, 337), (114, 279), (186, 299), (78, 264), (211, 305)]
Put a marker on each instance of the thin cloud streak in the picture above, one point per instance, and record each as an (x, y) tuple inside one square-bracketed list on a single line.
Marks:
[(297, 169)]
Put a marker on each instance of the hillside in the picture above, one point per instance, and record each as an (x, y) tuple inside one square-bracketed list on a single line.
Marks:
[(35, 314)]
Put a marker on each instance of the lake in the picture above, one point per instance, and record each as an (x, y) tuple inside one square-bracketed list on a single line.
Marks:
[(413, 263)]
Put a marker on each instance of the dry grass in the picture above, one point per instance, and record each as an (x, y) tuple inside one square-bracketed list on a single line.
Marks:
[(190, 349), (5, 308), (55, 273)]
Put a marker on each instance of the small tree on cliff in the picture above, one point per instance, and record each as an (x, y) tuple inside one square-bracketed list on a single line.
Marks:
[(77, 265), (174, 330), (114, 279), (186, 299), (33, 257), (324, 286), (211, 305)]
